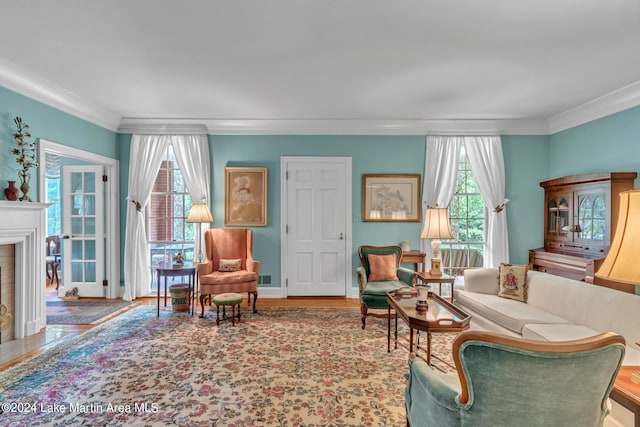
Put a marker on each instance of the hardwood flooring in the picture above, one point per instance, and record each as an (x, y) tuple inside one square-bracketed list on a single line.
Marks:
[(16, 351)]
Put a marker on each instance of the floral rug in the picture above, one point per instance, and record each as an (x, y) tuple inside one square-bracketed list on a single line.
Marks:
[(280, 367), (82, 312)]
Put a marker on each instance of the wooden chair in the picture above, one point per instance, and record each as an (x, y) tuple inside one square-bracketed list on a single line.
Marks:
[(503, 381), (52, 258), (373, 291)]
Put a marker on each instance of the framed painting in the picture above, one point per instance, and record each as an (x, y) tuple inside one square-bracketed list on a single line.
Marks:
[(245, 196), (391, 198)]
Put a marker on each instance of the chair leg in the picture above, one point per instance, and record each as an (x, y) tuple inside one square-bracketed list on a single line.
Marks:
[(363, 314), (255, 298), (202, 298)]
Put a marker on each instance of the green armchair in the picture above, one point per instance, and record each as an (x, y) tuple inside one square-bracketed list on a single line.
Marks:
[(375, 284), (504, 381)]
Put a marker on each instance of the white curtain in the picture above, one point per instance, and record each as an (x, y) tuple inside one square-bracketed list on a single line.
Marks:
[(147, 151), (192, 155), (440, 174), (487, 163), (144, 163)]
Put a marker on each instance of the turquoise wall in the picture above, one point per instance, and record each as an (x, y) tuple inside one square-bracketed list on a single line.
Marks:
[(50, 124), (525, 163), (609, 144), (370, 154), (525, 166)]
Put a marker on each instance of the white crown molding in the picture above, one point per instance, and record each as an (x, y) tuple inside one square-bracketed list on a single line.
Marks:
[(341, 127), (33, 86), (611, 103), (162, 127)]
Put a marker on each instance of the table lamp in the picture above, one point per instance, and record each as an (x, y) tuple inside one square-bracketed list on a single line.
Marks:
[(621, 263), (200, 214), (436, 227)]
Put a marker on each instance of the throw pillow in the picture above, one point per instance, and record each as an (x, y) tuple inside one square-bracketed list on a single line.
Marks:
[(229, 265), (382, 267), (513, 282)]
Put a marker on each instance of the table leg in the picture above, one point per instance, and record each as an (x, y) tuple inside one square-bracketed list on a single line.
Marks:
[(428, 348), (165, 290), (411, 349), (395, 334), (389, 329), (158, 280)]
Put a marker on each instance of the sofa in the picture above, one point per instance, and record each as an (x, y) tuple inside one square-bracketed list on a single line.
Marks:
[(556, 309)]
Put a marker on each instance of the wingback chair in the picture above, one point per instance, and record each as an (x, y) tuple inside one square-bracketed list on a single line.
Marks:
[(229, 266), (502, 381), (377, 277)]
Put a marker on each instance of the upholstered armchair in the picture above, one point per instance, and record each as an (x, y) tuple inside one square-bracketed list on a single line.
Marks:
[(229, 266), (380, 271), (502, 381)]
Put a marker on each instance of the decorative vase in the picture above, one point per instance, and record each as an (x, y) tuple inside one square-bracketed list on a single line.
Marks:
[(11, 192), (24, 187)]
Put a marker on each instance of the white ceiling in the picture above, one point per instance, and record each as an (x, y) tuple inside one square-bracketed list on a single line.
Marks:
[(336, 66)]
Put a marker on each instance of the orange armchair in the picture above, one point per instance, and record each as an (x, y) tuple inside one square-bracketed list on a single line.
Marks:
[(229, 266)]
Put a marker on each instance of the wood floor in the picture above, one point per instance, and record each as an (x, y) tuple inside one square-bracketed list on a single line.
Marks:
[(16, 351)]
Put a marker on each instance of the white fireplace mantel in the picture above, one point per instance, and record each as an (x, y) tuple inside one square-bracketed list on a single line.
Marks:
[(23, 224)]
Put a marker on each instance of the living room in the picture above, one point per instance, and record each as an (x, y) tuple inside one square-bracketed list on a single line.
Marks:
[(582, 130)]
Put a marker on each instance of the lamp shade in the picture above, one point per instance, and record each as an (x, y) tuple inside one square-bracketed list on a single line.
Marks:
[(436, 224), (200, 213), (621, 263)]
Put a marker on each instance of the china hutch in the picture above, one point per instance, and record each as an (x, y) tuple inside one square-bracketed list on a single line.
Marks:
[(580, 213)]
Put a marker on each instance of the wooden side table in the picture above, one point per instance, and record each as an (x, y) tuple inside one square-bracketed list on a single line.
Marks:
[(627, 393), (425, 277), (415, 258), (166, 270)]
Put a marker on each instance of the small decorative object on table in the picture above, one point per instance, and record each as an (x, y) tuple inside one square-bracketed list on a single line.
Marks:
[(25, 152), (178, 260), (423, 294)]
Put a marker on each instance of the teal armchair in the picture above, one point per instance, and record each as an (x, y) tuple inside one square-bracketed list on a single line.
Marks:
[(504, 381), (373, 293)]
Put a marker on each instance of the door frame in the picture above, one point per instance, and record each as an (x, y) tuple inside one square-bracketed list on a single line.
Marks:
[(111, 206), (348, 262)]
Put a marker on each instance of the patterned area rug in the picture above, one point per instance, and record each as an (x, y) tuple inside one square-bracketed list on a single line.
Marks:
[(281, 367), (81, 312)]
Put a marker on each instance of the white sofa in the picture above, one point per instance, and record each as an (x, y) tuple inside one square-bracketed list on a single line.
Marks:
[(557, 309)]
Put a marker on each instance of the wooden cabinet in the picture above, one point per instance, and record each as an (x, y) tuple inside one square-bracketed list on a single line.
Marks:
[(580, 214)]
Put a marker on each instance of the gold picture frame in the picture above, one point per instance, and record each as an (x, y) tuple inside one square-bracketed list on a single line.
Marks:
[(245, 196), (391, 198)]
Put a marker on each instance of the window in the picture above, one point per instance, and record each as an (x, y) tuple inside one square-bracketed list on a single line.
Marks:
[(53, 189), (467, 215), (168, 230)]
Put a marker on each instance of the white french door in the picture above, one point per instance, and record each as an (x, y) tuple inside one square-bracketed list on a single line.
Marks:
[(83, 229), (317, 229)]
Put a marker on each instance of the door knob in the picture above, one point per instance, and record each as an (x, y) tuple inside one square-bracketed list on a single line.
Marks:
[(341, 236)]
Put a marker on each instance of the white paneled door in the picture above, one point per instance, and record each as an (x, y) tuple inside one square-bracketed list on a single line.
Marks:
[(318, 206), (83, 230)]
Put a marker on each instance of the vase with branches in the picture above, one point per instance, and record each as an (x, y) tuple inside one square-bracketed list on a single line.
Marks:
[(25, 152)]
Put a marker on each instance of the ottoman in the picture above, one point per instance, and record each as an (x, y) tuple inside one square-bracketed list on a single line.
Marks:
[(225, 300)]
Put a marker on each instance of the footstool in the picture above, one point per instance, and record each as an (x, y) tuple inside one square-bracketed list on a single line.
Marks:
[(224, 300)]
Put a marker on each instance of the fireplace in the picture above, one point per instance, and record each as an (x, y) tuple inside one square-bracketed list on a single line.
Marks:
[(22, 229)]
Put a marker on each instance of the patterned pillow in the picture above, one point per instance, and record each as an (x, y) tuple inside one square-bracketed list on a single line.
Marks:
[(229, 265), (513, 282), (382, 267)]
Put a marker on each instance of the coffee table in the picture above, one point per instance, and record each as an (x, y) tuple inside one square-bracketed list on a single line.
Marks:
[(441, 316)]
